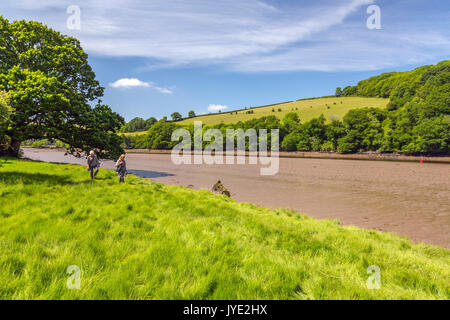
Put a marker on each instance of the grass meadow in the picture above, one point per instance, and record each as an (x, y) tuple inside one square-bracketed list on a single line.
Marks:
[(146, 240), (331, 107), (307, 109)]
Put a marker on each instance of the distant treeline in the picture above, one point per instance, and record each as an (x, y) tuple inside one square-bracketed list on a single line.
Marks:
[(138, 124), (416, 120)]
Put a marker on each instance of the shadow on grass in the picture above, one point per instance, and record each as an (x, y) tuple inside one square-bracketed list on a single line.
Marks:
[(13, 177), (150, 174)]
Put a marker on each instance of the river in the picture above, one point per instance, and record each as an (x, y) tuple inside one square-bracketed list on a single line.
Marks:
[(407, 198)]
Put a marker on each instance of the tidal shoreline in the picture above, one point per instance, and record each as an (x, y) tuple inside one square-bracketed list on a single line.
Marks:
[(408, 198), (313, 155)]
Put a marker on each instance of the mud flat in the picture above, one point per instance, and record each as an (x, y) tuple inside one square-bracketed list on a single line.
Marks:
[(333, 155), (408, 198)]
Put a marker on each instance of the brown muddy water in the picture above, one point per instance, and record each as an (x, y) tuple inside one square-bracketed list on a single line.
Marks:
[(407, 198)]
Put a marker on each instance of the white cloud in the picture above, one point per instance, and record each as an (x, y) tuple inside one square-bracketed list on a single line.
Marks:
[(127, 83), (163, 90), (216, 107)]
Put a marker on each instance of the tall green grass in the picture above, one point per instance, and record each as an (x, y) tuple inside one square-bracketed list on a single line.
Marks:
[(145, 240)]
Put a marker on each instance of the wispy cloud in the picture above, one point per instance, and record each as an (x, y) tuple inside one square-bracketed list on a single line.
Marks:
[(163, 90), (244, 36), (126, 83), (216, 107)]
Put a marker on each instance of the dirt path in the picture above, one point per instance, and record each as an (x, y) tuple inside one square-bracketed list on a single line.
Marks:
[(410, 199)]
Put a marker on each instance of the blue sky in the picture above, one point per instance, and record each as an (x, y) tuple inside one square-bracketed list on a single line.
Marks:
[(160, 56)]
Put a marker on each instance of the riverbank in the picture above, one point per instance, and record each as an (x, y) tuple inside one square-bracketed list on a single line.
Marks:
[(314, 155), (331, 155), (408, 198)]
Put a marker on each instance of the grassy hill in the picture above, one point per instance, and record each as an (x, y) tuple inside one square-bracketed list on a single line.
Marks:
[(145, 240), (307, 109)]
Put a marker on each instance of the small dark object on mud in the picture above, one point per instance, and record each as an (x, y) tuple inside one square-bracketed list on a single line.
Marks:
[(220, 189)]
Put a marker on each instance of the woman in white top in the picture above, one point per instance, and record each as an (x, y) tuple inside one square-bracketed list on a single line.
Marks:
[(121, 168)]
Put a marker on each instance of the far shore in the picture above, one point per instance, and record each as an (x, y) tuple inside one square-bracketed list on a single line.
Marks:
[(314, 155)]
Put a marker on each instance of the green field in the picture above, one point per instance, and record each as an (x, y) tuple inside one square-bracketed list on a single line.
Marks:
[(333, 107), (145, 240), (307, 109), (130, 134)]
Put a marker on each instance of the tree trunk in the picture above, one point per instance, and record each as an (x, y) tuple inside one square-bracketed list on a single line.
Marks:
[(14, 148)]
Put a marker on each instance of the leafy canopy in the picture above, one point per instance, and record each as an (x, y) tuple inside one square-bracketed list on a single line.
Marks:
[(51, 88)]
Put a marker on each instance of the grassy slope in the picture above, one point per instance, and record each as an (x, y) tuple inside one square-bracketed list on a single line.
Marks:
[(144, 240), (307, 109)]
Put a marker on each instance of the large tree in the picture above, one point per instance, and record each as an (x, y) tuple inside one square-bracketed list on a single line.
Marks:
[(52, 89), (176, 116)]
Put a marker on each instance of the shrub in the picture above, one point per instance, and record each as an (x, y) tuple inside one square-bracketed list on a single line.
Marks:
[(290, 142), (327, 146)]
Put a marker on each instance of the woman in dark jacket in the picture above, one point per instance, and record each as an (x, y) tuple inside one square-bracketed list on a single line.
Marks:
[(121, 168), (93, 164)]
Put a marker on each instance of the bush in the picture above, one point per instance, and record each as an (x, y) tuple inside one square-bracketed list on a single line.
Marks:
[(290, 142), (327, 146), (159, 136), (290, 122)]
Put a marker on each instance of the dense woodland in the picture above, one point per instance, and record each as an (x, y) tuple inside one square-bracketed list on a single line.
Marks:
[(416, 121)]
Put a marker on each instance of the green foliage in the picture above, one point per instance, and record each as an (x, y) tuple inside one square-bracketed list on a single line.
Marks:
[(191, 114), (430, 136), (338, 92), (349, 91), (290, 122), (416, 120), (144, 240), (176, 116), (290, 142), (159, 136), (328, 146), (311, 134), (5, 109), (363, 130), (333, 132), (45, 143), (5, 113), (50, 86), (138, 124)]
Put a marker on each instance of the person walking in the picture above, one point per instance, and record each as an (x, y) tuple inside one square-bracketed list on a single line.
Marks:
[(121, 168), (93, 164)]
